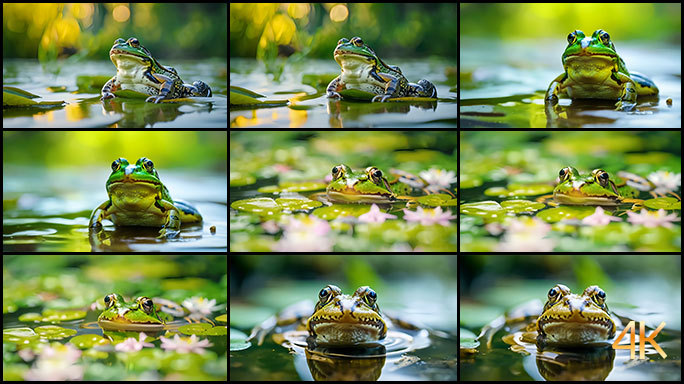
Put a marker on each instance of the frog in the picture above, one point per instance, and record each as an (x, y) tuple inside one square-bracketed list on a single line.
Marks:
[(138, 197), (595, 189), (362, 69), (343, 320), (138, 315), (368, 186), (569, 319), (594, 70), (138, 70)]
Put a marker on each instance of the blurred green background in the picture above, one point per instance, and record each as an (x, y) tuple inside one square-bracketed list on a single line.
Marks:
[(399, 30), (54, 149), (523, 21), (48, 31)]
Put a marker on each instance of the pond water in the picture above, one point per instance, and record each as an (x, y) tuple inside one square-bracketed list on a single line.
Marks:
[(54, 215), (310, 108), (503, 86), (86, 110)]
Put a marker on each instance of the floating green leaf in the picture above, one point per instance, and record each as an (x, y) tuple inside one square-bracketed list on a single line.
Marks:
[(341, 210), (88, 341), (515, 189), (663, 203), (566, 212), (52, 332)]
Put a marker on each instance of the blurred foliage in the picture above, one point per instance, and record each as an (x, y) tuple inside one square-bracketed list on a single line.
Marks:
[(59, 149), (172, 30), (392, 30), (511, 21)]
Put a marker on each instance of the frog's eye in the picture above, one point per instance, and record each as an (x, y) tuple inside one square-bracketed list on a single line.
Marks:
[(601, 177), (343, 40), (564, 173), (149, 165), (116, 164), (370, 297), (337, 172), (357, 41), (572, 37), (109, 300), (553, 293), (146, 304), (133, 42), (605, 38)]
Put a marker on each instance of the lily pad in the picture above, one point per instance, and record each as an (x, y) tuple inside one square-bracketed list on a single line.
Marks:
[(566, 212), (293, 186), (53, 332), (663, 203), (514, 190), (238, 340), (88, 341), (438, 200), (341, 210), (19, 335), (292, 204), (258, 205), (195, 329), (519, 206)]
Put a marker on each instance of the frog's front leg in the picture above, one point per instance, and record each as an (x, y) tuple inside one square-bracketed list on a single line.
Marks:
[(334, 88), (172, 224), (390, 87), (555, 89), (107, 89), (99, 214), (424, 88), (628, 98)]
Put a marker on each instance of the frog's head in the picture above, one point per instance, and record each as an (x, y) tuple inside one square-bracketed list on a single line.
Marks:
[(352, 53), (359, 187), (341, 319), (142, 172), (571, 319), (135, 186), (130, 52), (597, 46), (594, 189), (140, 311)]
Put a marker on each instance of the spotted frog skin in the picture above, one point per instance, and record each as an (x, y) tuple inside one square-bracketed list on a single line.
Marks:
[(362, 69), (569, 319), (343, 320), (138, 197), (137, 70), (594, 70)]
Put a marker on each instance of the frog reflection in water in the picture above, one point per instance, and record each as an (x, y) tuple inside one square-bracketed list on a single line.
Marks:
[(362, 69), (140, 314), (138, 70), (569, 319)]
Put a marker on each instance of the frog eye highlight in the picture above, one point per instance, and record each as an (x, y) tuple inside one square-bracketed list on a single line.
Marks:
[(338, 171), (605, 38), (357, 41), (146, 304), (133, 42), (601, 177), (572, 37)]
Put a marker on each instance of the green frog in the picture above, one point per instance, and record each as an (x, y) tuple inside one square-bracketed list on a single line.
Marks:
[(594, 189), (569, 319), (138, 197), (138, 315), (369, 186), (138, 70), (594, 70), (362, 69), (342, 320)]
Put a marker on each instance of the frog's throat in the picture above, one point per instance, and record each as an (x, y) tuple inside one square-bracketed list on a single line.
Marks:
[(582, 199), (358, 197)]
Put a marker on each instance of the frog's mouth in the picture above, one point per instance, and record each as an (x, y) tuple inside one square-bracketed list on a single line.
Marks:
[(349, 194), (577, 328), (332, 331), (118, 53)]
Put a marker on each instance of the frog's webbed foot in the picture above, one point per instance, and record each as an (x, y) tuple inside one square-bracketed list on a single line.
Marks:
[(628, 99), (425, 88), (198, 89), (107, 95), (334, 87), (155, 99), (172, 226)]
